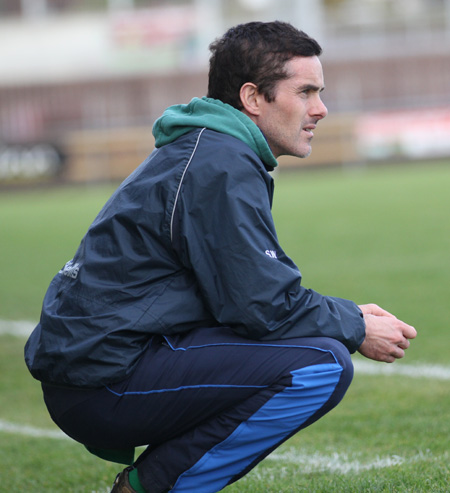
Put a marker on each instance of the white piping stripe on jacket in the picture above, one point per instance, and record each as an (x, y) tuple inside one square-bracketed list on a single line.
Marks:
[(181, 181)]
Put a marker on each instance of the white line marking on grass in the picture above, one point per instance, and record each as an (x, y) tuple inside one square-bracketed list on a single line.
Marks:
[(19, 328), (435, 372), (30, 431), (23, 328), (340, 462), (306, 462)]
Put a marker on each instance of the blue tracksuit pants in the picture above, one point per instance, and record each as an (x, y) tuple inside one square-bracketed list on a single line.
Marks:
[(208, 405)]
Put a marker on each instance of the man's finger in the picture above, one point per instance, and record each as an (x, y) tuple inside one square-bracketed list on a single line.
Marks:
[(398, 353), (373, 309), (409, 331), (404, 344)]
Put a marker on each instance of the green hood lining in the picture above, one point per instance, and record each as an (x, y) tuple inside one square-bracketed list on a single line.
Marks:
[(215, 115)]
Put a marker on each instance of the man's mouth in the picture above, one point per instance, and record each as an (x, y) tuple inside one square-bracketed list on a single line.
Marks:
[(309, 129)]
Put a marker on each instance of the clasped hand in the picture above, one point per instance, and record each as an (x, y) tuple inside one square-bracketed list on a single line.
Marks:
[(387, 337)]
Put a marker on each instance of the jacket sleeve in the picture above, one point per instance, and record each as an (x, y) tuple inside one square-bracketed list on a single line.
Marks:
[(224, 233)]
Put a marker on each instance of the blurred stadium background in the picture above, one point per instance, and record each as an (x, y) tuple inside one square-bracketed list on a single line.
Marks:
[(81, 81)]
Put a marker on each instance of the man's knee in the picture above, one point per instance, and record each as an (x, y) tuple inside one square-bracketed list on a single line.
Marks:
[(340, 354), (343, 371), (342, 357)]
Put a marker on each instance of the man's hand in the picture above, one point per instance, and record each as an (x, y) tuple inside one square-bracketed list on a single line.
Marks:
[(387, 337)]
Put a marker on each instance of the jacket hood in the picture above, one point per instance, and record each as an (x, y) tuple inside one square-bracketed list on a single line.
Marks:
[(215, 115)]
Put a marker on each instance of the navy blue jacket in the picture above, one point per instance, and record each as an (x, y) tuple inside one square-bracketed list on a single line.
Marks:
[(186, 241)]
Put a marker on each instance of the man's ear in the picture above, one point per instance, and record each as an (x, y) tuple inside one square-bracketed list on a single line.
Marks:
[(250, 98)]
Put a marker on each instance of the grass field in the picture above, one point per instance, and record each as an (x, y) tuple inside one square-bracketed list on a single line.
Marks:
[(370, 234)]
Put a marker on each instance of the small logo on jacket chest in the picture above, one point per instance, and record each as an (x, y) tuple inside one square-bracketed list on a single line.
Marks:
[(271, 253)]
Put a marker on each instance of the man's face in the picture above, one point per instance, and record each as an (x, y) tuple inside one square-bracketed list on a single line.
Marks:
[(289, 121)]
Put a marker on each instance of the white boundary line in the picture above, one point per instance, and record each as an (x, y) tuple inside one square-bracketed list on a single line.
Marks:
[(434, 372), (30, 431), (341, 462), (23, 328), (19, 328), (306, 462)]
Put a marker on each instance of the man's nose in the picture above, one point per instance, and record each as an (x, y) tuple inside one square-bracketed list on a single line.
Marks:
[(320, 110)]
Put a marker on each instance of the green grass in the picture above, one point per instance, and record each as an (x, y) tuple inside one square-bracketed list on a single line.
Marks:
[(371, 234)]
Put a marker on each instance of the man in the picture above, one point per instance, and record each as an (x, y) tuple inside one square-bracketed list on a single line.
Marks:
[(180, 323)]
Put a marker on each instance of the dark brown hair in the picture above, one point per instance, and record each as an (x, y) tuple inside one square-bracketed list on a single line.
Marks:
[(255, 52)]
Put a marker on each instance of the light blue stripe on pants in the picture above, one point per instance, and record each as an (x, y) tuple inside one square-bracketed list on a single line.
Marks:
[(276, 420)]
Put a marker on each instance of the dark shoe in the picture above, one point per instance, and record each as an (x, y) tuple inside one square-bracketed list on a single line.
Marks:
[(121, 484)]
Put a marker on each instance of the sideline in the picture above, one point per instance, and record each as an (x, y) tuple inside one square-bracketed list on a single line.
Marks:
[(23, 328), (30, 431), (418, 370), (307, 463), (341, 462), (19, 328)]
